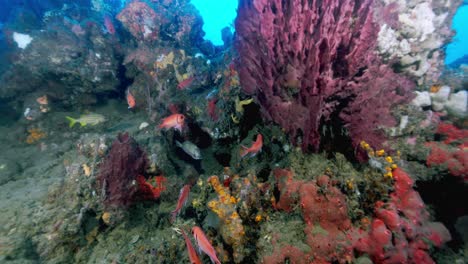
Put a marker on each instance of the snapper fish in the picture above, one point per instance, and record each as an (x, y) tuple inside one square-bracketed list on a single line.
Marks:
[(89, 119), (191, 149)]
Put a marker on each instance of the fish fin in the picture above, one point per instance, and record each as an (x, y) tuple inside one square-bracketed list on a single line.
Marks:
[(178, 144), (214, 260), (255, 153), (244, 151), (83, 124), (72, 121)]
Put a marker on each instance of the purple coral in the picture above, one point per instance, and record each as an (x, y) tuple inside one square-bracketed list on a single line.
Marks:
[(307, 61), (119, 171)]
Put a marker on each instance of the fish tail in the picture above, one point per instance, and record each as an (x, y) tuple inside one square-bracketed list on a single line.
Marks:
[(244, 151), (173, 216), (72, 121)]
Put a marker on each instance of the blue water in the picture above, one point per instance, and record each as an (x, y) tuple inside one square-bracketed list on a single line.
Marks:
[(459, 46), (216, 16)]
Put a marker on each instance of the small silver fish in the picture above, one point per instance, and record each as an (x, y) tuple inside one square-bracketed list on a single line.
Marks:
[(191, 149)]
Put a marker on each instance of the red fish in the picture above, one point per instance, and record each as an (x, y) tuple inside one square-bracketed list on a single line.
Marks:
[(175, 121), (204, 244), (212, 109), (185, 83), (130, 99), (194, 259), (183, 196), (109, 25), (254, 149)]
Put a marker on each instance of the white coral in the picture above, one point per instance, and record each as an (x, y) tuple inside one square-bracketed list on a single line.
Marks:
[(388, 42), (419, 23), (22, 40)]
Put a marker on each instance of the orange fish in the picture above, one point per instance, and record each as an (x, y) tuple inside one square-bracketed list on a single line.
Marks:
[(194, 259), (183, 196), (175, 121), (204, 244), (254, 149), (130, 99)]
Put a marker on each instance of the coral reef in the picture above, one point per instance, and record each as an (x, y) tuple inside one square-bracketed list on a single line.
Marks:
[(140, 20), (327, 225), (452, 152), (310, 63), (401, 231), (334, 75), (412, 33), (231, 229), (124, 163)]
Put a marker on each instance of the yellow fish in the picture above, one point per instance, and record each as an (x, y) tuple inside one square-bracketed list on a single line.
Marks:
[(89, 119)]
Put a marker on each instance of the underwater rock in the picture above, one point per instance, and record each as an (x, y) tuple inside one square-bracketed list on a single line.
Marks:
[(160, 22), (140, 20), (412, 32), (63, 63), (461, 226)]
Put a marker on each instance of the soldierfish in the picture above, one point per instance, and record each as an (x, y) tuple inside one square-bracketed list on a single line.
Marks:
[(109, 25), (183, 196), (204, 244), (175, 121), (194, 259), (185, 83), (254, 149), (130, 99)]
